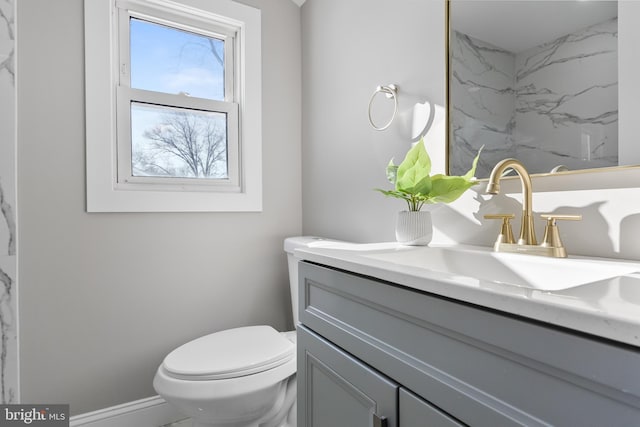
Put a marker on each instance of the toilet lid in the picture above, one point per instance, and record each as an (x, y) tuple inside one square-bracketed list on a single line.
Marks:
[(229, 354)]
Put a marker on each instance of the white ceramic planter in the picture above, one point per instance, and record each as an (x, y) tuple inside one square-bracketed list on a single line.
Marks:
[(414, 228)]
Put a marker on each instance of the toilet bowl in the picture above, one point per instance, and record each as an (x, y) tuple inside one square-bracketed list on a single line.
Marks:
[(234, 378), (242, 377)]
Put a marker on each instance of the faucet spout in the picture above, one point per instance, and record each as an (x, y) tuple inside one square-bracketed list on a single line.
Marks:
[(527, 231)]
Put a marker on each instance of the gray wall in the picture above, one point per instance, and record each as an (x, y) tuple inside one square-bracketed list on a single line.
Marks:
[(350, 47), (104, 297)]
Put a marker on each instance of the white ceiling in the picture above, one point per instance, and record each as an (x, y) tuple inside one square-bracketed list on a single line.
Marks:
[(518, 25), (299, 2)]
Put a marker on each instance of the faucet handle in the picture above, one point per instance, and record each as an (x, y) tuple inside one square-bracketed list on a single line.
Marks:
[(551, 237), (552, 217), (506, 234)]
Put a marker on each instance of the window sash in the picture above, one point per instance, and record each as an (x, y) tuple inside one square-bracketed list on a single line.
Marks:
[(125, 179), (125, 95), (228, 35)]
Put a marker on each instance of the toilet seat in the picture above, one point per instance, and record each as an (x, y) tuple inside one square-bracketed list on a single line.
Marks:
[(230, 353)]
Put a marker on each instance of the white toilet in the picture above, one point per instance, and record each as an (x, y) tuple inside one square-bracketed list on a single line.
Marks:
[(243, 377)]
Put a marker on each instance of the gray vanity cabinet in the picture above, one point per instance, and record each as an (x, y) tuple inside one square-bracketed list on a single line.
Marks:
[(339, 390), (366, 346)]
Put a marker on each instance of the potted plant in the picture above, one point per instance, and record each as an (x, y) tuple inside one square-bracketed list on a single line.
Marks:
[(414, 184)]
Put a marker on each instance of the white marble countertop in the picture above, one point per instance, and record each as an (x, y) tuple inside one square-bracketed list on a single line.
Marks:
[(608, 308)]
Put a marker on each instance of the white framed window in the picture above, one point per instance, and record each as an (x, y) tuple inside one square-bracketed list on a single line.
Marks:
[(173, 110)]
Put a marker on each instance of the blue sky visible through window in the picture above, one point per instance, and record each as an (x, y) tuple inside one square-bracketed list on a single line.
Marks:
[(168, 60)]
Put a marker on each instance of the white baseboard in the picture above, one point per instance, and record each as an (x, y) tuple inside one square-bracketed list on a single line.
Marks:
[(150, 412)]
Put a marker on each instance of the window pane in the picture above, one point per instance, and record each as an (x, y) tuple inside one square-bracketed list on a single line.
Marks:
[(178, 142), (165, 59)]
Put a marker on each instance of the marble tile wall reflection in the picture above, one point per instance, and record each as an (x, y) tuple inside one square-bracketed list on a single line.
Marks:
[(567, 100), (8, 319), (565, 94), (483, 104)]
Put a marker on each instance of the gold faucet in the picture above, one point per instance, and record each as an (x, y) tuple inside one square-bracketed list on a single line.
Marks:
[(551, 245), (527, 230)]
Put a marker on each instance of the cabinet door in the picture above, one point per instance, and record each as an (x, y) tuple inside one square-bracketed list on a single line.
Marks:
[(415, 412), (337, 390)]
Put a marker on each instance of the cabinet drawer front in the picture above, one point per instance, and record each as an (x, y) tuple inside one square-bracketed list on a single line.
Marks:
[(486, 368), (335, 389), (415, 412)]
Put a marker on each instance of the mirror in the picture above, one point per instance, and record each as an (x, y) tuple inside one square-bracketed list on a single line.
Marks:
[(533, 80)]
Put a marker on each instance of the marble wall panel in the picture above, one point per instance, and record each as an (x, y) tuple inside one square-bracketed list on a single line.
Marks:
[(8, 256)]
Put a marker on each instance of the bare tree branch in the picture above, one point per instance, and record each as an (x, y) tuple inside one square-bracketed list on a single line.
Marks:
[(215, 53), (195, 139)]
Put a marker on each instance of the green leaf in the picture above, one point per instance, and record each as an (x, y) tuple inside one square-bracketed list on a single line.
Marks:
[(393, 193), (392, 172), (422, 187), (415, 186), (446, 189), (415, 167), (472, 172)]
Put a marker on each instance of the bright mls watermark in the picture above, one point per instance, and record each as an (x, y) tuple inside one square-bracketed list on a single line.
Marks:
[(34, 415)]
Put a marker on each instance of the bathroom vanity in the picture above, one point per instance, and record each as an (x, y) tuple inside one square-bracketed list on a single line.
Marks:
[(390, 343)]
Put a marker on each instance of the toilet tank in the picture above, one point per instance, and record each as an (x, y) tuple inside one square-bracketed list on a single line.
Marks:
[(291, 244)]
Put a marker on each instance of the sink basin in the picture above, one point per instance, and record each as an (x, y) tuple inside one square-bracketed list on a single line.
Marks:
[(548, 274)]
